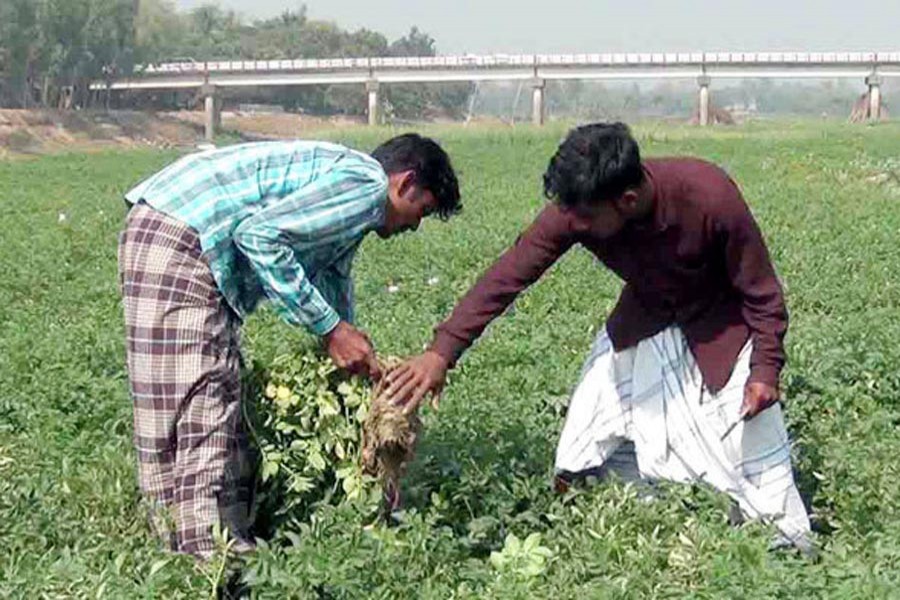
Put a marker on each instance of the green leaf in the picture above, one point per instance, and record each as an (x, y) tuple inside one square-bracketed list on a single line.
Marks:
[(316, 460), (328, 406), (269, 469), (157, 566), (351, 485), (119, 563), (533, 569), (531, 542)]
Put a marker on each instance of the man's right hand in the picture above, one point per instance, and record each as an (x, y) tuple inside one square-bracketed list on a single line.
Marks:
[(411, 381), (351, 349)]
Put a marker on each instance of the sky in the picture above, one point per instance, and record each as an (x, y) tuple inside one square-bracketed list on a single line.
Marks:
[(575, 26)]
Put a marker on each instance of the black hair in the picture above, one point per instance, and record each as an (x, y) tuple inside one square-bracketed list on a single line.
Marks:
[(595, 163), (430, 164)]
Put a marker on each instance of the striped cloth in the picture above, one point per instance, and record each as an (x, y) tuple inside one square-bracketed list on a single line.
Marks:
[(277, 220), (645, 413), (183, 357)]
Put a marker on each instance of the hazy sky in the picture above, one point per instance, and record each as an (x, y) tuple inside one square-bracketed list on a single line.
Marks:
[(496, 26)]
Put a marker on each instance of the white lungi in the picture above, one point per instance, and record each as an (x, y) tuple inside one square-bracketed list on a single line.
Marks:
[(653, 395)]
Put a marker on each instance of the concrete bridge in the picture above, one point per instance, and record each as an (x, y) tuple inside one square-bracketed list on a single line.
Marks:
[(534, 69)]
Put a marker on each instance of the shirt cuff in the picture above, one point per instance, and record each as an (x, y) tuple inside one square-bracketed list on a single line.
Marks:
[(327, 323), (449, 347), (767, 374)]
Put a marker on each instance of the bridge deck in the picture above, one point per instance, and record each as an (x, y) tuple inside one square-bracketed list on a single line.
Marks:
[(505, 67)]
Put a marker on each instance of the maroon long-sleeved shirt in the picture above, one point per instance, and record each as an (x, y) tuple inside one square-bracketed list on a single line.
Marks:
[(698, 261)]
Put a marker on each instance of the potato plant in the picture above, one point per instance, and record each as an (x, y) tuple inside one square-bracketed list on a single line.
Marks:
[(306, 420)]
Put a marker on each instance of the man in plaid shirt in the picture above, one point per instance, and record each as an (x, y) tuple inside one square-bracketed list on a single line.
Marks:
[(206, 240)]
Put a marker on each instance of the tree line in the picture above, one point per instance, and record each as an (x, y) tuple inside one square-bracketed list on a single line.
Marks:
[(50, 50)]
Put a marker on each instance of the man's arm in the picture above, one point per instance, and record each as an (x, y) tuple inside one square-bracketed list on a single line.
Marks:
[(336, 286), (338, 205), (751, 273), (548, 238)]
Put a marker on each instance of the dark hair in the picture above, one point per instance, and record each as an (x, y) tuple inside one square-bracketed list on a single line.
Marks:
[(595, 163), (429, 162)]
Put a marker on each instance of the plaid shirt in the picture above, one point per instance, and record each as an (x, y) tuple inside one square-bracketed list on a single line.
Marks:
[(281, 220)]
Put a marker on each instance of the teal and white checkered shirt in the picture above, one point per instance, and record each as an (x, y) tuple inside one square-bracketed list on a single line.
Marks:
[(281, 220)]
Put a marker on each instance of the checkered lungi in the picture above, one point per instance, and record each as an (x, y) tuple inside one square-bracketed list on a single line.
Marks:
[(645, 413), (183, 358)]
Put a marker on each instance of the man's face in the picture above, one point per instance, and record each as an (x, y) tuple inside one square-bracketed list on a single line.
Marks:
[(408, 204), (605, 219), (602, 220)]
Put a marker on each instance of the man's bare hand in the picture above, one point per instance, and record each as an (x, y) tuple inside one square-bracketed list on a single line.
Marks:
[(757, 398), (409, 383), (351, 349)]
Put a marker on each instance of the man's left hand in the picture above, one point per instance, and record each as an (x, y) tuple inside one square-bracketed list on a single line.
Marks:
[(758, 397)]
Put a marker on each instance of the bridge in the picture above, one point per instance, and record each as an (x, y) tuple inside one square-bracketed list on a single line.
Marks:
[(533, 69)]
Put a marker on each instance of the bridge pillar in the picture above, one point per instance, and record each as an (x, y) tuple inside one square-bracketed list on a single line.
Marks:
[(703, 81), (537, 101), (372, 93), (874, 83), (212, 112)]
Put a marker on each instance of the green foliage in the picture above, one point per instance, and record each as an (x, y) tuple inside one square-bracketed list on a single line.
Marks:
[(522, 558), (417, 100), (53, 43), (306, 422), (70, 522), (46, 44)]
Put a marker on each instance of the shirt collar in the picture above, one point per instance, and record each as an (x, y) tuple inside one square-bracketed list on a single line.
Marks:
[(661, 218), (378, 212), (377, 215)]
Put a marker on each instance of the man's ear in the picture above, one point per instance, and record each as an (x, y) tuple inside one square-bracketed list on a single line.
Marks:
[(407, 182), (628, 201)]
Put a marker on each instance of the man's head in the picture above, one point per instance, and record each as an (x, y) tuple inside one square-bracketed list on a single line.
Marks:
[(421, 182), (596, 174)]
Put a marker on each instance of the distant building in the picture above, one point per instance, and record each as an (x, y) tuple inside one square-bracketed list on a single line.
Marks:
[(742, 111), (260, 108)]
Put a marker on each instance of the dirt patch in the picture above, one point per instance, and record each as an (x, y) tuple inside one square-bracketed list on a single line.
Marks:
[(861, 112), (276, 125), (45, 131)]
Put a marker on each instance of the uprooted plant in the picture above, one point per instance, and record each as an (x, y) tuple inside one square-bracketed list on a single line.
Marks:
[(325, 438), (388, 440)]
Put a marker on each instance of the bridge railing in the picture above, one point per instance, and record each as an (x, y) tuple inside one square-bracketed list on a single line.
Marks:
[(533, 69), (526, 60)]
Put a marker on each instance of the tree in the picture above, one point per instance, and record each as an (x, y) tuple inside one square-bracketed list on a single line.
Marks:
[(51, 49), (417, 100), (160, 33), (80, 39), (19, 50), (213, 34)]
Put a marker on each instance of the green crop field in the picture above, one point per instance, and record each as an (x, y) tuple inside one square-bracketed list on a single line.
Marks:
[(828, 199)]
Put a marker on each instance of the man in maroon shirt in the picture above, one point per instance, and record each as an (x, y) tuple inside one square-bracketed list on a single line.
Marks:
[(684, 377)]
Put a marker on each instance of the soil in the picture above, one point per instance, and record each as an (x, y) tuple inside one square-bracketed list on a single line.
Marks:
[(24, 132)]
